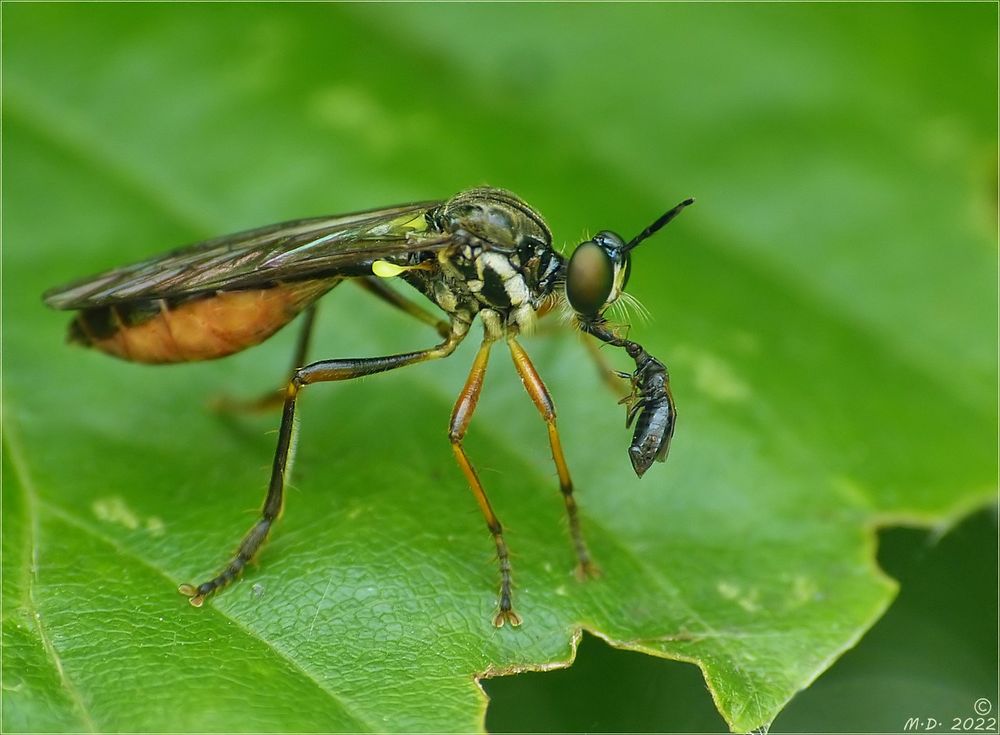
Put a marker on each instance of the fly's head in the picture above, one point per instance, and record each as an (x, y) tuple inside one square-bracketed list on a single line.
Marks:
[(597, 274), (599, 269)]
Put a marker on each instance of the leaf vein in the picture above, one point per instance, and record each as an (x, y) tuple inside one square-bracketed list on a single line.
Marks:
[(31, 560), (67, 517)]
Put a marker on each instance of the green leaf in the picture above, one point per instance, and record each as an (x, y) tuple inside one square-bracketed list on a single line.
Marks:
[(922, 659), (827, 311)]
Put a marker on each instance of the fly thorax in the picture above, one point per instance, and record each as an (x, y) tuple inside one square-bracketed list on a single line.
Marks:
[(496, 218), (498, 282), (502, 289), (501, 258)]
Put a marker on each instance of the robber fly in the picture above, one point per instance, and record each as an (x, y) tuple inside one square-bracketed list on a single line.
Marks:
[(484, 253)]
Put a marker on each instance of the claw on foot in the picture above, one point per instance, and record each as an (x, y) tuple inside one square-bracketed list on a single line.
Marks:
[(506, 616), (190, 591)]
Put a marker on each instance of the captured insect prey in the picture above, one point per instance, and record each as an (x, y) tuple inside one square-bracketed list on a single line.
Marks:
[(484, 253)]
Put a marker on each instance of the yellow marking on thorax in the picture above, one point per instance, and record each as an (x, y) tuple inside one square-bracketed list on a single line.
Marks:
[(385, 269)]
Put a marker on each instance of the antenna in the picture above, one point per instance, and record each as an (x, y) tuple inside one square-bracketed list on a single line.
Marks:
[(653, 228)]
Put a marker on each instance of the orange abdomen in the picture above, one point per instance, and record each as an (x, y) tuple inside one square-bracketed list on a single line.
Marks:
[(200, 328)]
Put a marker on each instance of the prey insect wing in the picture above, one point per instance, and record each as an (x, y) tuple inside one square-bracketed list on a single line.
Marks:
[(305, 249)]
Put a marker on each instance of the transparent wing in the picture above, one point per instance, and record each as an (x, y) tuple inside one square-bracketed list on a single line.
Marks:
[(319, 247)]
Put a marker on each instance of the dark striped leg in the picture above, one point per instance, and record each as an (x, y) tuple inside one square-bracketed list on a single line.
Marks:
[(371, 285), (318, 372), (273, 399), (461, 415), (543, 401), (609, 376), (391, 296)]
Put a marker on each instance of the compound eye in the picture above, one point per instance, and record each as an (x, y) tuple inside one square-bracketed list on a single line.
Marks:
[(590, 276)]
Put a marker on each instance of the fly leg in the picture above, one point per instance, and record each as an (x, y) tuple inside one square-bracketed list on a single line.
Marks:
[(318, 372), (273, 399), (609, 376), (461, 415), (543, 401), (371, 285), (391, 296)]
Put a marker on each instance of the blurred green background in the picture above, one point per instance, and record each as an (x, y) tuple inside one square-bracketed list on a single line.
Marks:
[(828, 310)]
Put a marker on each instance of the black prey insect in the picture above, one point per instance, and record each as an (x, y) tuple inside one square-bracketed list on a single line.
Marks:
[(484, 253)]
